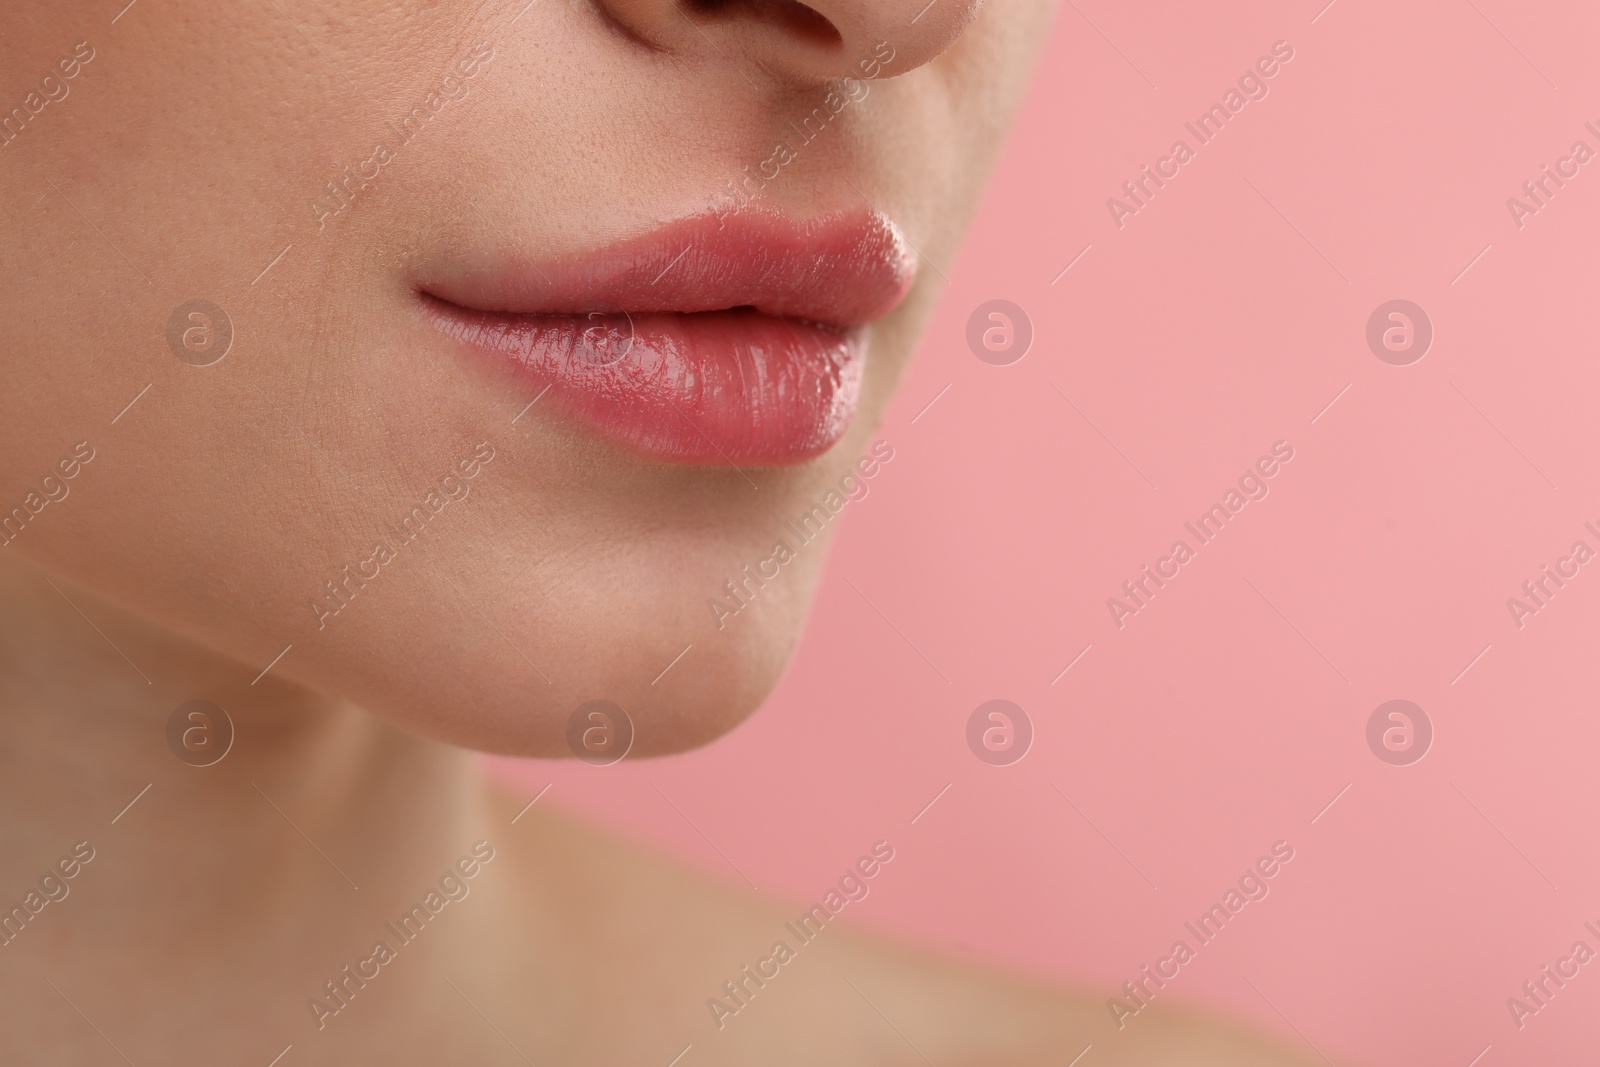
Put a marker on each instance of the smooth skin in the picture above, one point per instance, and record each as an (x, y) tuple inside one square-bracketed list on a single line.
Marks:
[(188, 159)]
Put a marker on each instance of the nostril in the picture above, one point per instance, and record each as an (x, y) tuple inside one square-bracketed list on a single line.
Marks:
[(791, 16)]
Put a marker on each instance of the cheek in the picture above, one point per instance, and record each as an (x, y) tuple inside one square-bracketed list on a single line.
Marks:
[(311, 440)]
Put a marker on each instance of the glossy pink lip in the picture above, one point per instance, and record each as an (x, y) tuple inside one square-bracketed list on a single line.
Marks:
[(719, 338)]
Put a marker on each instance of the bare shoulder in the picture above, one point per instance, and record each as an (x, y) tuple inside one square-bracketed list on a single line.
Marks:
[(741, 978)]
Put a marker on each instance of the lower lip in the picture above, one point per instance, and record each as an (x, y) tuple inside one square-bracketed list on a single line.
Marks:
[(736, 386)]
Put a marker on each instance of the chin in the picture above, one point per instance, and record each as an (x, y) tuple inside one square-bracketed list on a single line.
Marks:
[(626, 629), (492, 707)]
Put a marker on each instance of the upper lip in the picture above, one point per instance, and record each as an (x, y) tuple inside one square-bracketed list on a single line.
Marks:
[(840, 270)]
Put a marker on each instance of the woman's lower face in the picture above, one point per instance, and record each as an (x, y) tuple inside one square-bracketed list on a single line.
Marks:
[(475, 363)]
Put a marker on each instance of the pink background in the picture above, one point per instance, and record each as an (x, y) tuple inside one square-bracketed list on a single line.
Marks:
[(1194, 337)]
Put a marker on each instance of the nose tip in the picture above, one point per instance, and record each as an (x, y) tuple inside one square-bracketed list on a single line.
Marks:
[(803, 42), (913, 31)]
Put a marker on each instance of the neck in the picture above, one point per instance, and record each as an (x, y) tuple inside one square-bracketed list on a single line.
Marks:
[(317, 817)]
